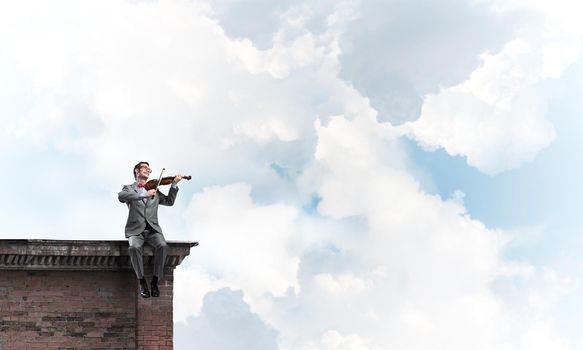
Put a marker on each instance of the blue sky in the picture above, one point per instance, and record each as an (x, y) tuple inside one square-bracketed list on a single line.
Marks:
[(366, 174), (543, 192), (544, 195)]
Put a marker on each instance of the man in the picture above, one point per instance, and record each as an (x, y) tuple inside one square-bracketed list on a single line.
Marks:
[(142, 225)]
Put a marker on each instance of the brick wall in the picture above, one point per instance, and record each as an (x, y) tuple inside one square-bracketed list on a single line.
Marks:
[(80, 309), (82, 294), (55, 309), (154, 321)]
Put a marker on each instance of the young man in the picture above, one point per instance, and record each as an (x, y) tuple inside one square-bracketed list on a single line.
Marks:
[(142, 225)]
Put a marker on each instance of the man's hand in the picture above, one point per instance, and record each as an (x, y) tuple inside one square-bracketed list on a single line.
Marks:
[(177, 178), (150, 193)]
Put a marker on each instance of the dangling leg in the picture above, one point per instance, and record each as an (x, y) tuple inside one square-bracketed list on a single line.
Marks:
[(157, 241), (135, 251)]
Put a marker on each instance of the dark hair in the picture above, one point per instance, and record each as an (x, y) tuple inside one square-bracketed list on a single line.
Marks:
[(138, 167)]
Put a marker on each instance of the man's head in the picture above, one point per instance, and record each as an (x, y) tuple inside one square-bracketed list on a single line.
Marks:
[(142, 169)]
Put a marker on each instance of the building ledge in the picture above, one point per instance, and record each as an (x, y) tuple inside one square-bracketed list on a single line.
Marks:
[(40, 254)]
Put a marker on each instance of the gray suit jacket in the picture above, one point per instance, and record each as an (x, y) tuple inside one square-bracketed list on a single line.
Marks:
[(143, 209)]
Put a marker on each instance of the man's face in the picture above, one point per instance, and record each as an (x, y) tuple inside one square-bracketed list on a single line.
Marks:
[(144, 171)]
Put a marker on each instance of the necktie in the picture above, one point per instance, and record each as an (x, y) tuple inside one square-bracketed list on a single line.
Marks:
[(141, 185)]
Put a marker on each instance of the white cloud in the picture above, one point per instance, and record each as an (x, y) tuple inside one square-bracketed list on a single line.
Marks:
[(245, 244), (276, 61), (343, 284), (396, 52), (192, 283), (496, 118), (225, 323), (333, 340), (267, 131), (428, 265), (160, 82), (300, 199)]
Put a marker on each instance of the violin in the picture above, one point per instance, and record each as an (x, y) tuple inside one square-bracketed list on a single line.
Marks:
[(153, 184)]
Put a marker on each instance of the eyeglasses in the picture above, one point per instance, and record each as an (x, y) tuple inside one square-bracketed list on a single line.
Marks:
[(147, 168)]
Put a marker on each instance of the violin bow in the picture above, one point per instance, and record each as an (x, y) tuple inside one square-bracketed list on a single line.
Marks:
[(160, 179)]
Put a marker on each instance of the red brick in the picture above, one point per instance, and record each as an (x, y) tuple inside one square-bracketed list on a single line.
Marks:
[(50, 307), (65, 312)]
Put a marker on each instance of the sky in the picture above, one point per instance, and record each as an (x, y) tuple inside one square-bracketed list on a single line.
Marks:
[(365, 174)]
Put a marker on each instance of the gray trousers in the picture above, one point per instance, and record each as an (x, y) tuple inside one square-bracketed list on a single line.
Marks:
[(136, 251)]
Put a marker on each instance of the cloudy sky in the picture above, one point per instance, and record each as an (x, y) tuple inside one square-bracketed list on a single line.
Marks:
[(366, 174)]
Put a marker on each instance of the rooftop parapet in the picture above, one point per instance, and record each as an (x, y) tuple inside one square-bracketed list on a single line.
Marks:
[(40, 254)]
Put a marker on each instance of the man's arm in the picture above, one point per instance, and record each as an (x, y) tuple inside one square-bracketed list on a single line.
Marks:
[(127, 195), (168, 199)]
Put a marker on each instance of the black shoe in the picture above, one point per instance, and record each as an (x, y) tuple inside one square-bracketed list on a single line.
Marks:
[(144, 292), (155, 290)]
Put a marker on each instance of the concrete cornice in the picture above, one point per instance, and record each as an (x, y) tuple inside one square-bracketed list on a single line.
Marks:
[(40, 254)]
